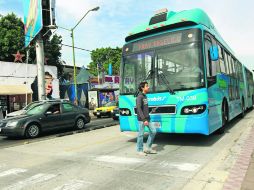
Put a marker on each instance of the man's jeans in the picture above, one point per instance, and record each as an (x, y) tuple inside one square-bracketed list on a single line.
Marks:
[(152, 133)]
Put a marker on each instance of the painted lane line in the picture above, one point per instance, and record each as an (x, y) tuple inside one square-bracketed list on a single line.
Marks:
[(180, 166), (30, 181), (74, 185), (119, 160), (12, 171)]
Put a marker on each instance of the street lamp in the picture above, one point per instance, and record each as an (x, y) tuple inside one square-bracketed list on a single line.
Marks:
[(73, 49)]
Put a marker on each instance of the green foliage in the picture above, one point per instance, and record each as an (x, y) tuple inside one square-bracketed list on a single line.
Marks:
[(52, 52), (12, 40), (103, 57), (11, 37)]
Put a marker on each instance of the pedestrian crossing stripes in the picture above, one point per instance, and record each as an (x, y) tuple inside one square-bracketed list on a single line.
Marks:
[(12, 171), (56, 181), (74, 185), (30, 181)]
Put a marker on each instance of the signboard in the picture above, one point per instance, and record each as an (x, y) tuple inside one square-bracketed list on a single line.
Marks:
[(32, 19), (92, 99), (160, 41)]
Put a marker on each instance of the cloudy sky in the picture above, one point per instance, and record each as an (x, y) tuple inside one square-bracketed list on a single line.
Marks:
[(108, 26)]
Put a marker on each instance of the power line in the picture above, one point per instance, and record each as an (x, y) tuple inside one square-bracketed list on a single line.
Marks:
[(77, 47)]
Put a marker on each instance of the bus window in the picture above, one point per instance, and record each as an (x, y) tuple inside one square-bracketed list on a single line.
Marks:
[(136, 67), (210, 65), (221, 61), (229, 65), (227, 62), (240, 71), (233, 67)]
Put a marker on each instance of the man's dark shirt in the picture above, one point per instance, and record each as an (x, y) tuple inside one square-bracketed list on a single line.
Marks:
[(142, 107)]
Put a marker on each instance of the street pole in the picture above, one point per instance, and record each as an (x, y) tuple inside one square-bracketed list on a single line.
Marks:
[(27, 58), (40, 68), (73, 51), (74, 67)]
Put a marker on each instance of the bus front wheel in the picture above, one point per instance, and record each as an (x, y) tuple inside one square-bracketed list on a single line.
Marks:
[(224, 117)]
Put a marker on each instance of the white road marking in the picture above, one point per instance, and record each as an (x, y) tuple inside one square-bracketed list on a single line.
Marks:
[(12, 171), (74, 185), (2, 165), (30, 181), (129, 135), (181, 166), (119, 160)]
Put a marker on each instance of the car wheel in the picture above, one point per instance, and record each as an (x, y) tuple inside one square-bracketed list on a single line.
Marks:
[(32, 131), (98, 116), (80, 123)]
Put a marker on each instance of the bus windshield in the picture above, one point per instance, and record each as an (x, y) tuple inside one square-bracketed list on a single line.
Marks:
[(177, 66)]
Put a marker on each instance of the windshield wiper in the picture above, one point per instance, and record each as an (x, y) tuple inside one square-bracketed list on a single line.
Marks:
[(149, 74), (165, 81)]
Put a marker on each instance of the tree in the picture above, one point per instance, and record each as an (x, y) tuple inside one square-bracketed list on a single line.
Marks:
[(12, 40), (11, 36), (103, 57)]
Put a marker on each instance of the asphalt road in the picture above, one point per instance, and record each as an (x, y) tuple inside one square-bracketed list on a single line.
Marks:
[(94, 124), (107, 159)]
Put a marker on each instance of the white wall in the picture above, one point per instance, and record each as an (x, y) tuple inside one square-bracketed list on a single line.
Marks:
[(18, 73)]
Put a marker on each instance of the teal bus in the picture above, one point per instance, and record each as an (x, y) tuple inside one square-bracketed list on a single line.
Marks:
[(197, 85)]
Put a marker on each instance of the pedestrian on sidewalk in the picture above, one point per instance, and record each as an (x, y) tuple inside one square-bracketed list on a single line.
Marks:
[(144, 121)]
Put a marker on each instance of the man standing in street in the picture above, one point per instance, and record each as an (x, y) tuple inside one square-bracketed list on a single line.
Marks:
[(144, 120)]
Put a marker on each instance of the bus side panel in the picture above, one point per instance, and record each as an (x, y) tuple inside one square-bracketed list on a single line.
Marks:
[(216, 93)]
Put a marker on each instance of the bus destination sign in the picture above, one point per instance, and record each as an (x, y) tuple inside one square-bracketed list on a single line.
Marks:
[(157, 42)]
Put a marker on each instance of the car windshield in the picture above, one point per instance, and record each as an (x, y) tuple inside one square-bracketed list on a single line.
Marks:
[(31, 105), (37, 109), (110, 104)]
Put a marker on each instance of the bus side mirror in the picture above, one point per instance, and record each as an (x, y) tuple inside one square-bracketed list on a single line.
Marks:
[(214, 53)]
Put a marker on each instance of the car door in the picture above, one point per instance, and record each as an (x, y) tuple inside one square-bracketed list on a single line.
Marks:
[(53, 117), (69, 112)]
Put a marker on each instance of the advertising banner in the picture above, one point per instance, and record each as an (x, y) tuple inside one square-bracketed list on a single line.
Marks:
[(92, 99), (32, 19)]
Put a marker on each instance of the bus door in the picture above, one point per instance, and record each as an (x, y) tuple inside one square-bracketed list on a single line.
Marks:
[(213, 99)]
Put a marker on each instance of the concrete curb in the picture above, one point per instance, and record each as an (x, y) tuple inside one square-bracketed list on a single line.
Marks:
[(86, 129)]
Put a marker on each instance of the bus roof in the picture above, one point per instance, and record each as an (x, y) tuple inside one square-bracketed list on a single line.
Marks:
[(169, 20)]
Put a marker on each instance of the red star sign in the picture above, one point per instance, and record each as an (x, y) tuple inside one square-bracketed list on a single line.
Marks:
[(18, 57)]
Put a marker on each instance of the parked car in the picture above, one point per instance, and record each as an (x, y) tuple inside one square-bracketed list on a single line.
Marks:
[(45, 116), (106, 110), (115, 114), (22, 111), (29, 106)]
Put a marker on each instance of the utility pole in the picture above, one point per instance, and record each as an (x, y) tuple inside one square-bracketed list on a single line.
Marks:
[(27, 61), (40, 68)]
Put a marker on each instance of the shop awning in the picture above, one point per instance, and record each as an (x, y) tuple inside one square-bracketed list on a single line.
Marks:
[(15, 89)]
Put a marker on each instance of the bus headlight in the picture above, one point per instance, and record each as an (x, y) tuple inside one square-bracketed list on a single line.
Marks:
[(195, 109), (125, 112)]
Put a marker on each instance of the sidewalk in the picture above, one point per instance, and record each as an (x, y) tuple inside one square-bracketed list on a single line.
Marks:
[(248, 182), (242, 173)]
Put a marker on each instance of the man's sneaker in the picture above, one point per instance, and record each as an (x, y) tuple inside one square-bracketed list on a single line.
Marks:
[(150, 151), (141, 153)]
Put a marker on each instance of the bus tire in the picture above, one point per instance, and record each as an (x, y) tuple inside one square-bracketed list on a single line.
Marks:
[(243, 109), (224, 117)]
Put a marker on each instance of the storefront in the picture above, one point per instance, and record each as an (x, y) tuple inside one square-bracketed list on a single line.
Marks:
[(14, 97), (16, 80)]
